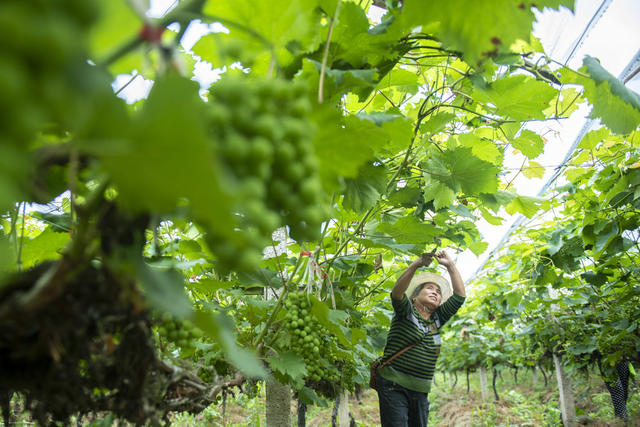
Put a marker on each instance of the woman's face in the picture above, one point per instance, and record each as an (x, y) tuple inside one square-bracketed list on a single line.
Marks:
[(430, 295)]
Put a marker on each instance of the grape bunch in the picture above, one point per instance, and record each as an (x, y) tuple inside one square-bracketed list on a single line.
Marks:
[(263, 140), (311, 340), (181, 333), (43, 54), (50, 91), (209, 361)]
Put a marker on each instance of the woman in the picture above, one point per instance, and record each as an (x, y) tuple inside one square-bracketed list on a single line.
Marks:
[(422, 303)]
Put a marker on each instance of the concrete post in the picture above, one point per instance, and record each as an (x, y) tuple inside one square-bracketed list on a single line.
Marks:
[(278, 403), (343, 409), (567, 401), (484, 391)]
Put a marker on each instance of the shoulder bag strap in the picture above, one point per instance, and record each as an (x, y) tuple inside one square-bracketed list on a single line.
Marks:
[(400, 352)]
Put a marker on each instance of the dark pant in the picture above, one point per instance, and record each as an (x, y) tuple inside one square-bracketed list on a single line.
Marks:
[(401, 407)]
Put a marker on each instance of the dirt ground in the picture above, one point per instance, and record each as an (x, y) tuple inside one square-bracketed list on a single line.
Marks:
[(451, 410)]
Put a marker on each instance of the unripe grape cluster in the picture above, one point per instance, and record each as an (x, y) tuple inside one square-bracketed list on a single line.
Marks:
[(263, 140), (181, 333), (311, 340)]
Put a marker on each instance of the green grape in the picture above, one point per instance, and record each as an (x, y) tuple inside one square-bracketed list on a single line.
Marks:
[(261, 148), (236, 147), (294, 129), (285, 153), (309, 189), (300, 107), (218, 115), (295, 172), (268, 222), (279, 190), (267, 126), (254, 188)]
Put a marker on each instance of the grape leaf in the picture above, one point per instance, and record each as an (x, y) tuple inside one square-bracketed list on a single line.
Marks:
[(14, 166), (491, 219), (478, 247), (533, 170), (221, 328), (401, 79), (406, 197), (594, 137), (555, 243), (170, 158), (117, 25), (164, 289), (600, 75), (288, 363), (358, 336), (439, 192), (463, 172), (276, 22), (310, 397), (386, 243), (495, 200), (525, 205), (338, 82), (437, 122), (481, 147), (518, 97), (45, 246), (60, 223), (6, 258), (529, 143), (595, 278), (614, 104), (330, 319), (478, 29), (350, 40), (357, 45), (409, 229), (606, 235), (343, 145), (362, 193)]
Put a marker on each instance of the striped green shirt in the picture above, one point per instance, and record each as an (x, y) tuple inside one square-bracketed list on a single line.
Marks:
[(414, 368)]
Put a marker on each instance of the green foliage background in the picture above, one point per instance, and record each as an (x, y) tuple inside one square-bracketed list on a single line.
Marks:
[(408, 122)]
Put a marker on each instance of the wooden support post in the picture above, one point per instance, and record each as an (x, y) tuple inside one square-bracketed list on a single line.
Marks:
[(567, 401), (534, 374), (484, 392)]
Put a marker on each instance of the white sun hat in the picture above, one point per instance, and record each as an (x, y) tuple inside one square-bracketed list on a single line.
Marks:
[(425, 277)]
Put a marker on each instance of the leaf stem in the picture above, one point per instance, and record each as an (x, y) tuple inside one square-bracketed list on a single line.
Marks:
[(135, 76), (19, 258), (325, 54)]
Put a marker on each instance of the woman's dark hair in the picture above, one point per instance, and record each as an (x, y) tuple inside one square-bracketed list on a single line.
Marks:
[(418, 288)]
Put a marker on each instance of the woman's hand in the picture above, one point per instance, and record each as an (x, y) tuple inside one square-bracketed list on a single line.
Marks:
[(403, 281), (444, 259), (457, 284), (424, 260)]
